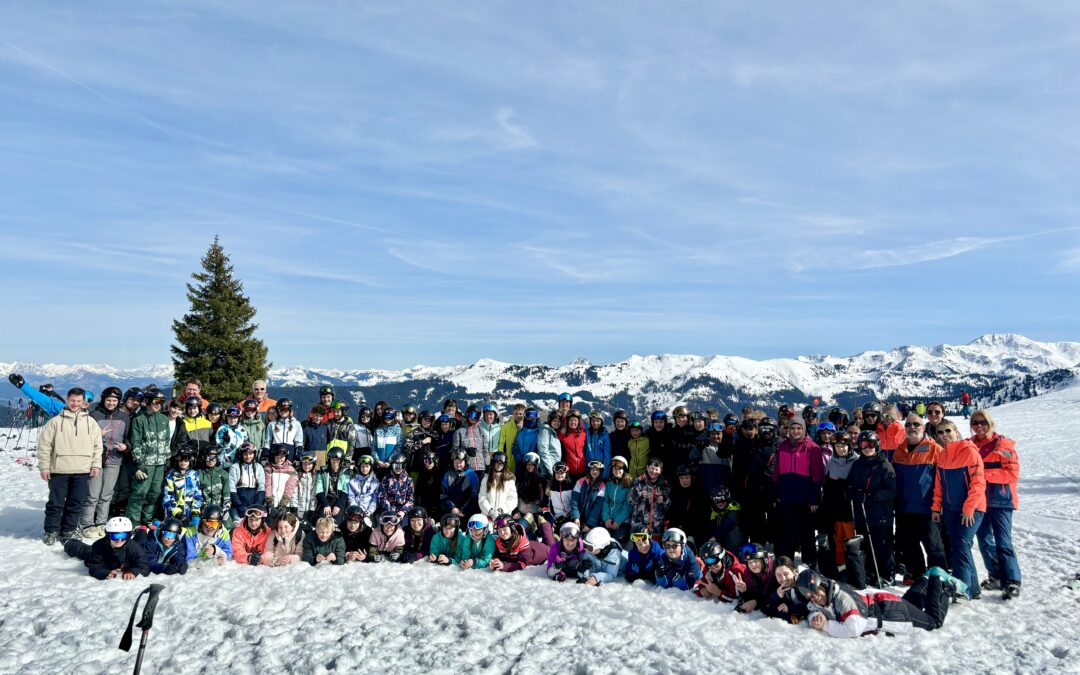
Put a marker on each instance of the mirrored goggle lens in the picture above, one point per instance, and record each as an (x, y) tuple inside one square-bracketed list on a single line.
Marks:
[(639, 537), (118, 536)]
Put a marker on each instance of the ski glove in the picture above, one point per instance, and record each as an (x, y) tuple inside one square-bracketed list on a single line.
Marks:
[(254, 559), (560, 576), (225, 438), (16, 380), (471, 452)]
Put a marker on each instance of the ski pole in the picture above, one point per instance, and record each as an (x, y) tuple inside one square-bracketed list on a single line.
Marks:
[(873, 555), (147, 622)]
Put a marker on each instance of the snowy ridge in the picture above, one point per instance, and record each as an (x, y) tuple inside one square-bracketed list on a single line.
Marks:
[(990, 363)]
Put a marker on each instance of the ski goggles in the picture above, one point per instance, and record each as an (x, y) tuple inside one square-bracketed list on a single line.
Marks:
[(595, 464), (355, 517), (389, 519), (477, 525), (710, 561), (502, 521), (212, 523), (255, 511), (639, 537), (118, 536)]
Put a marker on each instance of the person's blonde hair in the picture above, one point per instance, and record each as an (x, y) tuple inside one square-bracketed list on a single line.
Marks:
[(519, 407), (891, 410), (326, 524), (986, 416), (947, 424)]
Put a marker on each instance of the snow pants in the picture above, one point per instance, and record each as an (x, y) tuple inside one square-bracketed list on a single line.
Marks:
[(995, 545), (795, 528), (916, 532), (962, 537), (145, 495), (96, 509), (67, 492)]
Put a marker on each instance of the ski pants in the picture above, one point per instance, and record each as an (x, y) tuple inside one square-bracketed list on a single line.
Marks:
[(145, 495), (67, 492), (926, 604), (796, 530), (995, 545), (962, 537), (914, 533), (96, 509)]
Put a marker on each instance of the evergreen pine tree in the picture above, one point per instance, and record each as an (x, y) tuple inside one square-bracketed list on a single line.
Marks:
[(216, 340)]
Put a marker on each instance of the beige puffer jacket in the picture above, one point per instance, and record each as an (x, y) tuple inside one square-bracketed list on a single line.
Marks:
[(69, 443)]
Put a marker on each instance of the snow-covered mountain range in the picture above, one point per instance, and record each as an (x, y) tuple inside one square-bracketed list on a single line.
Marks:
[(995, 368)]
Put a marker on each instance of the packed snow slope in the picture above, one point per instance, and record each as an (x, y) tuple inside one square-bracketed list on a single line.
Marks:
[(420, 618)]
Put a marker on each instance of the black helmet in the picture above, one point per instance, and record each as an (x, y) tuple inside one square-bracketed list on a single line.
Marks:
[(171, 525), (279, 449), (872, 407), (215, 408), (211, 512), (721, 493), (450, 518), (397, 461), (683, 470), (354, 510), (133, 392), (785, 411), (870, 436), (335, 453), (426, 415), (711, 549), (839, 417), (284, 404), (416, 512), (808, 582), (754, 551), (182, 454), (110, 391), (210, 452), (809, 411), (458, 454), (193, 401), (326, 389)]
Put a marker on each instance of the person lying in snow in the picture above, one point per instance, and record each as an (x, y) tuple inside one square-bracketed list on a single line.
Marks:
[(166, 552), (112, 556)]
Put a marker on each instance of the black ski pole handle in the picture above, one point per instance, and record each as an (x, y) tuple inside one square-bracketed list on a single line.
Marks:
[(152, 592)]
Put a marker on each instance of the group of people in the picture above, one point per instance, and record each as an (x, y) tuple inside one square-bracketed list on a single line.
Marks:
[(721, 507)]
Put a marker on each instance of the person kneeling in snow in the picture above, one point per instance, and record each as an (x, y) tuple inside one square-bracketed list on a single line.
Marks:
[(326, 546), (843, 612), (111, 556), (210, 539), (165, 551)]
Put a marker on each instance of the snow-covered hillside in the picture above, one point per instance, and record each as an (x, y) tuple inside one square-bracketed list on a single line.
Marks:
[(996, 367), (419, 618)]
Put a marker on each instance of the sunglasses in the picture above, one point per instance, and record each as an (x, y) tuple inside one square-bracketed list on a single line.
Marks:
[(639, 537), (979, 423), (118, 536), (259, 389), (935, 412), (913, 425), (671, 545)]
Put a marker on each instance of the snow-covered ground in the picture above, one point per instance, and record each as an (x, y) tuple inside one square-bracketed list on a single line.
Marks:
[(399, 618)]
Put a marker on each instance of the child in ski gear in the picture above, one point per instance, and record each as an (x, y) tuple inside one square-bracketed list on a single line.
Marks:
[(689, 509), (835, 505), (247, 482), (603, 556), (565, 558), (387, 439), (355, 535), (250, 536), (428, 484), (797, 475), (524, 437), (396, 493), (166, 552), (513, 548), (214, 481), (280, 478), (678, 567), (182, 497), (548, 446), (639, 449), (532, 487), (209, 540), (498, 489), (418, 535), (560, 492), (573, 437), (113, 556), (69, 455), (759, 579), (388, 541), (364, 487), (587, 500), (460, 486), (617, 510), (784, 603), (723, 579), (1001, 467), (253, 424), (871, 487), (726, 515), (649, 498), (325, 546), (448, 542), (286, 543), (645, 553), (479, 545), (597, 442), (284, 430), (305, 502), (333, 487), (232, 434)]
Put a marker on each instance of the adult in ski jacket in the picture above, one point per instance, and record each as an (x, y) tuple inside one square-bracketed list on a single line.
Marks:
[(69, 455), (960, 500), (1001, 467), (797, 475), (915, 462)]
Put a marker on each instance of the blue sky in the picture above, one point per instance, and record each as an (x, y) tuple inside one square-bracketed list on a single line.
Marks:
[(439, 182)]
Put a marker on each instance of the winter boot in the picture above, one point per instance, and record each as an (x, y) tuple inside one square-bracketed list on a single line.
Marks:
[(1012, 590), (856, 562), (960, 586), (991, 584)]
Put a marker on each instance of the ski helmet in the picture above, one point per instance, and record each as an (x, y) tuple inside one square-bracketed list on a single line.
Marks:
[(809, 412), (721, 493), (683, 470), (113, 392), (659, 415), (181, 455), (458, 454), (490, 407), (325, 389), (730, 419), (417, 512), (408, 409), (445, 418), (808, 582), (251, 405), (754, 552), (598, 539), (826, 426), (560, 466), (364, 460), (389, 415), (171, 525), (565, 397), (635, 425), (284, 404), (389, 519), (711, 552), (89, 397), (872, 407), (785, 411), (364, 411), (397, 463), (118, 524), (335, 453), (620, 460), (619, 415), (531, 414), (868, 437), (279, 450), (215, 408), (210, 452), (450, 519), (193, 402), (472, 413), (570, 529), (680, 411), (426, 416), (354, 512), (531, 458), (716, 428), (479, 522), (595, 464), (232, 411), (674, 534), (133, 392), (498, 457), (211, 512)]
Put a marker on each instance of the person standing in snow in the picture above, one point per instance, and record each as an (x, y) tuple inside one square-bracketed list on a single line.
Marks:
[(1001, 466), (114, 422), (69, 456), (960, 501), (798, 472)]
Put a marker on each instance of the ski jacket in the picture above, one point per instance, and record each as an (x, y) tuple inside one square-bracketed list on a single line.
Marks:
[(520, 552), (248, 477), (364, 492), (69, 443), (231, 438), (683, 574), (616, 503), (161, 560), (305, 500), (689, 509), (660, 448), (620, 443), (915, 475), (49, 404), (726, 579), (1001, 466), (851, 614), (291, 548), (567, 562), (182, 497), (314, 547), (387, 439), (450, 547), (493, 502), (605, 566), (549, 448), (334, 489), (835, 504), (959, 484), (560, 496), (385, 547), (713, 466), (195, 432), (587, 502), (103, 559), (286, 431), (507, 436), (649, 502), (196, 543), (460, 490), (215, 487), (470, 438), (891, 437), (725, 526), (598, 449), (493, 432), (245, 542), (798, 472), (871, 486), (643, 565), (417, 545), (150, 439), (396, 493), (316, 436), (254, 430), (639, 455), (280, 484), (480, 552), (525, 441), (573, 451), (760, 586), (114, 429)]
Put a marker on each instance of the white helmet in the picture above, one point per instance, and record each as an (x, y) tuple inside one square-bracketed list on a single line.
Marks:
[(598, 538), (479, 522), (617, 458), (570, 529), (118, 524)]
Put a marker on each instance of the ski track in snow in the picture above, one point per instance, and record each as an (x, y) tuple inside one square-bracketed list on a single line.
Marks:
[(54, 618)]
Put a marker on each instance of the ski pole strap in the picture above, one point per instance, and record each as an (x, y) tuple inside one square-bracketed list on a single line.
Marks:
[(152, 591)]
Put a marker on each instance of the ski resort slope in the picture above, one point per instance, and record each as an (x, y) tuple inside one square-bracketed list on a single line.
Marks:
[(400, 618)]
